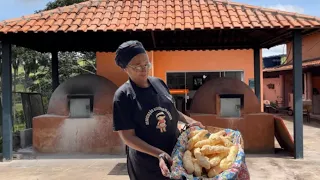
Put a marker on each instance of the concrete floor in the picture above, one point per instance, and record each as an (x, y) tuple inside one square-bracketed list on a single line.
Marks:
[(284, 167), (97, 167)]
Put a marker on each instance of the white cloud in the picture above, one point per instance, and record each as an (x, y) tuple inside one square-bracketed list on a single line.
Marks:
[(290, 8), (276, 50)]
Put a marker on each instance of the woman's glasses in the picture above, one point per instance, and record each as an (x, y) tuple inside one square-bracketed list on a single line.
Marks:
[(140, 67)]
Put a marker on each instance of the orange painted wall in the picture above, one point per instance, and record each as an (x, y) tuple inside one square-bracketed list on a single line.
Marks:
[(316, 82), (310, 47), (175, 61), (181, 61), (107, 68)]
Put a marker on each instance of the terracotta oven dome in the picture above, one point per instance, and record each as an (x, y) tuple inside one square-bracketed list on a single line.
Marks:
[(79, 118), (206, 99), (230, 103), (101, 88)]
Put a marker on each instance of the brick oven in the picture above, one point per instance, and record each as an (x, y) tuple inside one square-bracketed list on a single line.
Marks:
[(79, 118), (230, 103)]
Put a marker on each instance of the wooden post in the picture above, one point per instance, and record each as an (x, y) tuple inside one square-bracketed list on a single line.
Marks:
[(6, 78), (55, 70), (257, 75), (297, 94)]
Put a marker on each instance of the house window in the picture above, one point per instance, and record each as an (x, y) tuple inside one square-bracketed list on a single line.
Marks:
[(176, 80), (234, 74), (197, 82), (80, 106)]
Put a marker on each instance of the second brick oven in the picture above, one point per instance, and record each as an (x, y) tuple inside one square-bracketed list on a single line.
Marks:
[(230, 103)]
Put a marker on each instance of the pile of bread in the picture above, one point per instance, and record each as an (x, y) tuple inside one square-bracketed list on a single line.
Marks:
[(209, 154)]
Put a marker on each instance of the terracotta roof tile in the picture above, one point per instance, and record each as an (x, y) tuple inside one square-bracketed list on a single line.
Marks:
[(59, 22), (30, 22), (83, 28), (77, 22), (305, 64), (53, 28), (92, 27), (304, 22), (120, 15), (5, 28), (22, 22), (63, 28), (73, 28), (102, 27), (44, 28), (35, 28), (14, 29)]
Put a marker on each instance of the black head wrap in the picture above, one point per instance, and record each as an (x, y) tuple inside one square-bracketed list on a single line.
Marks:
[(126, 51)]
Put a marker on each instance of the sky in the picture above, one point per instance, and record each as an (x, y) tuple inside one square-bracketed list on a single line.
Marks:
[(17, 8)]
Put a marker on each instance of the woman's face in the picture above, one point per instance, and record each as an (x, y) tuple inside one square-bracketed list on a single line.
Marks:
[(138, 68)]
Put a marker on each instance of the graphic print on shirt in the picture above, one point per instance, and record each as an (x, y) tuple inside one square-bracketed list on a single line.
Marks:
[(162, 115), (161, 121)]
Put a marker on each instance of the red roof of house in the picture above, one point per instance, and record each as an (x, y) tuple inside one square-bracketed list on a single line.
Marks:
[(122, 15), (305, 64)]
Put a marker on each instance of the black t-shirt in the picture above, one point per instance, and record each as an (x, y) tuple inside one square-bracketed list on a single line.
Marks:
[(143, 109)]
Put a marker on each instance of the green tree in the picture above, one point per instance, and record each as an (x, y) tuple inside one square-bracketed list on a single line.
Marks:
[(70, 63), (61, 3), (36, 67), (16, 60)]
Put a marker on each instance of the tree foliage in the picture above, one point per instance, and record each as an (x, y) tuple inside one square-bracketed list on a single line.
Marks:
[(61, 3), (36, 66)]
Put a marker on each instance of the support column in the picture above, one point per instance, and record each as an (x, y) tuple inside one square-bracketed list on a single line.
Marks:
[(281, 89), (6, 79), (257, 73), (309, 86), (297, 94), (55, 70)]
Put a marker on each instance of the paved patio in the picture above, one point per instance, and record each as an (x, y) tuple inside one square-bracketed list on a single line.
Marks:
[(283, 167), (88, 167)]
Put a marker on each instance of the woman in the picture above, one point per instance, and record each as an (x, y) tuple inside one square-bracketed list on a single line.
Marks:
[(144, 116)]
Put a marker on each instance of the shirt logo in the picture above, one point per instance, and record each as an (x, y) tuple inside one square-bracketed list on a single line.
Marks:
[(162, 114), (161, 122)]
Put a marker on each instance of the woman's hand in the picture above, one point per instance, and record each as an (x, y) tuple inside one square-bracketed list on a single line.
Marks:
[(165, 170), (189, 121), (196, 123)]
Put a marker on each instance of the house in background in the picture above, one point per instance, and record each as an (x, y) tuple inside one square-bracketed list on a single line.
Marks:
[(273, 61), (278, 81)]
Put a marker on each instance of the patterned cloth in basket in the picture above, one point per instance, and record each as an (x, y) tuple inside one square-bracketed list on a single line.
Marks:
[(238, 171)]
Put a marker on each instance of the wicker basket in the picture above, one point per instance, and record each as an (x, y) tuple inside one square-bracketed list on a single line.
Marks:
[(213, 129), (178, 171)]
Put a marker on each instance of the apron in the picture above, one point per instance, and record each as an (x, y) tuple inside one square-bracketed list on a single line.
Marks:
[(156, 120)]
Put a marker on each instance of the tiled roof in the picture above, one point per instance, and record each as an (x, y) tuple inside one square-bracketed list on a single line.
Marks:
[(122, 15), (305, 64)]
